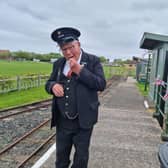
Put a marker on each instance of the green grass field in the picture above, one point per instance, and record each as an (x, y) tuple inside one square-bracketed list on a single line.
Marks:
[(22, 97), (14, 68), (10, 69)]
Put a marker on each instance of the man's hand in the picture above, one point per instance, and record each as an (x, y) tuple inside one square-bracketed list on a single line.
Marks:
[(75, 67), (58, 90)]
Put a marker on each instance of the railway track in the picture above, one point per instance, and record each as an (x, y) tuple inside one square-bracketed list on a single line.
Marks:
[(24, 109), (21, 151)]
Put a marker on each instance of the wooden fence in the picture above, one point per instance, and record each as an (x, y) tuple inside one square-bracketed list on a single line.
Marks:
[(25, 82), (22, 83)]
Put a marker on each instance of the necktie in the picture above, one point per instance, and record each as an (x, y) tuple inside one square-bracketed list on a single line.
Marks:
[(69, 74)]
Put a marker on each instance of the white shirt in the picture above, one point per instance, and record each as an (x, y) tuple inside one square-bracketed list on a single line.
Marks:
[(67, 67)]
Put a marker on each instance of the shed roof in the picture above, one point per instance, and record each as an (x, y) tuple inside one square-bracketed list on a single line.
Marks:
[(150, 40)]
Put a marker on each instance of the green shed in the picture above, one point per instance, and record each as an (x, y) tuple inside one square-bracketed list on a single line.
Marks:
[(158, 44)]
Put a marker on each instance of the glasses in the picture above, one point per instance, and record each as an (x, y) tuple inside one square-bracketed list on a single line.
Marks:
[(71, 48), (68, 47)]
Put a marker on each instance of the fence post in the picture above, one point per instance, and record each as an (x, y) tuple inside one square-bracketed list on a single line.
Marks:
[(39, 80), (164, 134), (18, 83), (111, 69)]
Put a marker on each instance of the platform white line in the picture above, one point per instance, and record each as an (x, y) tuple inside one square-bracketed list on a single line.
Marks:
[(41, 161), (146, 104), (118, 109)]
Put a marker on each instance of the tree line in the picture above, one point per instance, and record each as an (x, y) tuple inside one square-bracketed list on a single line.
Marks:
[(24, 55), (31, 55)]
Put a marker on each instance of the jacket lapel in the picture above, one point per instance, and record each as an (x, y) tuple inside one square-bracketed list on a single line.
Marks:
[(60, 68), (84, 60), (62, 63)]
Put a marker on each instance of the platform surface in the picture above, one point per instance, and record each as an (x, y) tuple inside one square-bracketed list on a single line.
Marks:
[(126, 135)]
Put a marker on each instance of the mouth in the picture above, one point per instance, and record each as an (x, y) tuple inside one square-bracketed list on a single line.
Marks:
[(70, 57)]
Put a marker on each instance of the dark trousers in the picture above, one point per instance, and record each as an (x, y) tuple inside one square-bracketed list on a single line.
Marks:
[(65, 139)]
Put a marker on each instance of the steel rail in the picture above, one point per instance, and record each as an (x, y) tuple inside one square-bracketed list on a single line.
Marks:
[(26, 105), (24, 111), (36, 151), (8, 147)]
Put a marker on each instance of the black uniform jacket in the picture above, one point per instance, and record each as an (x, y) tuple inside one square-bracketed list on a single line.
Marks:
[(90, 80)]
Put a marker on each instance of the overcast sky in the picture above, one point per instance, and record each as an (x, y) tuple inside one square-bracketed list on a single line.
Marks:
[(108, 28)]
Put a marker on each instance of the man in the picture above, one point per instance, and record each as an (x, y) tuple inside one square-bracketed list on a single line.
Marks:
[(74, 83)]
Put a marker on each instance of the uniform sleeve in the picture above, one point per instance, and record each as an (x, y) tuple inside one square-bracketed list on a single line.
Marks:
[(51, 81), (93, 78)]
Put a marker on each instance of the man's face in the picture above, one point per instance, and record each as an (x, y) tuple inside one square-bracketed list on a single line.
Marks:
[(71, 50)]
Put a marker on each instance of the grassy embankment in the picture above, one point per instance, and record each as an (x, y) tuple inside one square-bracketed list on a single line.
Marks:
[(141, 88), (9, 69)]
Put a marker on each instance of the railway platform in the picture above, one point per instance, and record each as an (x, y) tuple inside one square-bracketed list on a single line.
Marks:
[(126, 135)]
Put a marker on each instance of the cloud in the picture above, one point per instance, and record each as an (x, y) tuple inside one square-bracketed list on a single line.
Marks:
[(108, 28), (150, 5)]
